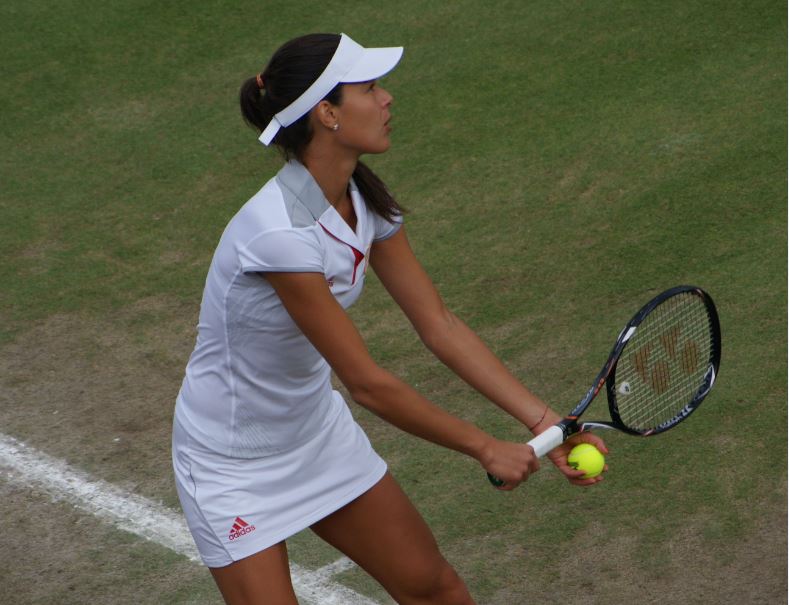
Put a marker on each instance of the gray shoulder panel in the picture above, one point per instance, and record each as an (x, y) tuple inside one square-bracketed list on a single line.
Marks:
[(304, 199)]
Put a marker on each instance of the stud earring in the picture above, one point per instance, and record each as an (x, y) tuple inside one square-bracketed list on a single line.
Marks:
[(335, 127)]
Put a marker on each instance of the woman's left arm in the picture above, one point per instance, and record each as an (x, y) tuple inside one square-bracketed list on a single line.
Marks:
[(459, 348)]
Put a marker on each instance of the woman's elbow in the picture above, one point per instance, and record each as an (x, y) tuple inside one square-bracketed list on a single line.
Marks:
[(438, 330), (370, 388)]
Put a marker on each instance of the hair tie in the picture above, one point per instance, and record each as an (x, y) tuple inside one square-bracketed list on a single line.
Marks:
[(259, 78)]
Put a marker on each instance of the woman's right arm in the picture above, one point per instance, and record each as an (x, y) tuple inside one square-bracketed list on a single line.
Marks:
[(324, 322)]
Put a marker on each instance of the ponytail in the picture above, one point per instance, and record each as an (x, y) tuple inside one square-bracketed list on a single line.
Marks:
[(375, 193), (251, 99)]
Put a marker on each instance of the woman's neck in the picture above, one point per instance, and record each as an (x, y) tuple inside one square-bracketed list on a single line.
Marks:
[(332, 173)]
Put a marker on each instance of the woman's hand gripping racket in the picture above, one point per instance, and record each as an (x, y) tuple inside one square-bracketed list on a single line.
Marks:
[(661, 368)]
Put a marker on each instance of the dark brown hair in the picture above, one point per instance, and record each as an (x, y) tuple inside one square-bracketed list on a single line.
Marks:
[(290, 71)]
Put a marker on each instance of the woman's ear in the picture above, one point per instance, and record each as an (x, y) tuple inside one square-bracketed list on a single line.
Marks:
[(326, 114)]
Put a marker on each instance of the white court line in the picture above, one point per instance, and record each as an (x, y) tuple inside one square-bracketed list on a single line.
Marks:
[(31, 468)]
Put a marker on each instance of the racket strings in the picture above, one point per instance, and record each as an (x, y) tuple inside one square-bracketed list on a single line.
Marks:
[(665, 363)]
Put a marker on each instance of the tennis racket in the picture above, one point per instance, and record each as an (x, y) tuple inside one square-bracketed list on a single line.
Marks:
[(663, 364)]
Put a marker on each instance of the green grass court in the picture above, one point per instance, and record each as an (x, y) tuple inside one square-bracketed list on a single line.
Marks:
[(562, 162)]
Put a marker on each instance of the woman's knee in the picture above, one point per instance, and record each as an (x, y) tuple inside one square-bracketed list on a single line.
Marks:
[(440, 586)]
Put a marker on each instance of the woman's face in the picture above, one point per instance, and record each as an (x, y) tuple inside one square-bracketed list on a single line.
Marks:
[(363, 117)]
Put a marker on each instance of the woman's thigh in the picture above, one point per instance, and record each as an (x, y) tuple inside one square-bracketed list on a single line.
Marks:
[(385, 535), (260, 579)]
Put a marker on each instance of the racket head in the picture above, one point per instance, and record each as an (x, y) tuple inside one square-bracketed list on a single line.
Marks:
[(668, 360)]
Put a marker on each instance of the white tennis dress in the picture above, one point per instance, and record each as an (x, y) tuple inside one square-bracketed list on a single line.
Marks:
[(263, 447)]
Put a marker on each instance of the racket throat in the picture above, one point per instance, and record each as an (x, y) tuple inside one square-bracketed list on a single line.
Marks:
[(588, 426)]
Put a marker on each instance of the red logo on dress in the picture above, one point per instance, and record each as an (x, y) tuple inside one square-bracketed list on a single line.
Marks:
[(240, 528)]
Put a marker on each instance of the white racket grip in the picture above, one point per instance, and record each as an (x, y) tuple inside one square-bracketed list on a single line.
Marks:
[(546, 441)]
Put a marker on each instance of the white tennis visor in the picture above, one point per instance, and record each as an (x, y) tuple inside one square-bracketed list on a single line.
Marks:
[(351, 63)]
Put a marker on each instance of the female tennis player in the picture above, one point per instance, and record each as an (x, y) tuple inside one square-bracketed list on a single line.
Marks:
[(263, 447)]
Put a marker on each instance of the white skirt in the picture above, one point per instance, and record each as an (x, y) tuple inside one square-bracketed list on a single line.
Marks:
[(236, 507)]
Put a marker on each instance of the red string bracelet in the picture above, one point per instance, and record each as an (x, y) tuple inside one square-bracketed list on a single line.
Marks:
[(544, 412)]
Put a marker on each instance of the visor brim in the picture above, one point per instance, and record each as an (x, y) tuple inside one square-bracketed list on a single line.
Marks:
[(374, 63)]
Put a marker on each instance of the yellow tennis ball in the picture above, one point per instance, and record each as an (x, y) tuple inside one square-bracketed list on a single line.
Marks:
[(586, 457)]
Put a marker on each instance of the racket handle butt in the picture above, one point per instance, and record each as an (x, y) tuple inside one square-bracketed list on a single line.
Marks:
[(495, 480)]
